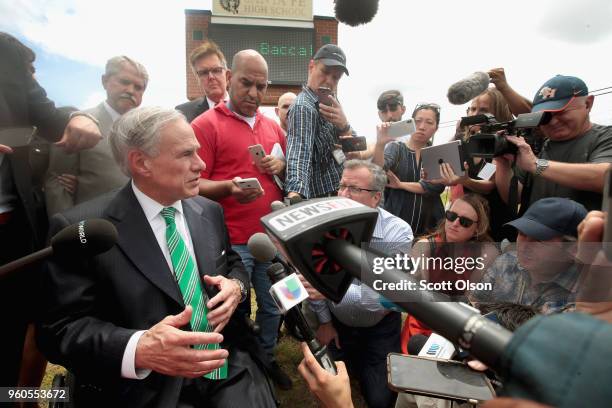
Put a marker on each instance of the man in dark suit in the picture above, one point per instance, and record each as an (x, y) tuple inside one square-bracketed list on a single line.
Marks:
[(23, 104), (124, 322), (210, 69)]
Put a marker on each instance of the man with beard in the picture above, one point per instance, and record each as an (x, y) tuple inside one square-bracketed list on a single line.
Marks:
[(74, 178)]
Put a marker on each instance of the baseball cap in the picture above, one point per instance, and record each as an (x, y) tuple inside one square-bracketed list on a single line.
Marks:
[(551, 217), (332, 56), (389, 97), (557, 93)]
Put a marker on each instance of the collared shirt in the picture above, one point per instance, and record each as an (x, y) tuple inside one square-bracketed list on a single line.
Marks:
[(312, 170), (111, 112), (360, 306), (152, 210), (212, 104), (512, 283)]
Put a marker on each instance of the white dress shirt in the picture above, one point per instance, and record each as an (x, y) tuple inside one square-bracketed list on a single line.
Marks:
[(152, 210)]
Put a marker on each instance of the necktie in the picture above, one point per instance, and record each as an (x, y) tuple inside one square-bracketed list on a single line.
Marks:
[(191, 288)]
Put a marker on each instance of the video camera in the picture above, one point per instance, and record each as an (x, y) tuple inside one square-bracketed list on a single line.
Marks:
[(488, 143)]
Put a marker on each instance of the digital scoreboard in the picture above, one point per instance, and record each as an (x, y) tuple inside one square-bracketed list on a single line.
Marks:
[(287, 50)]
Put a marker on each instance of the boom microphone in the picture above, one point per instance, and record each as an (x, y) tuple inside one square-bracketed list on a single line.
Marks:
[(468, 88), (355, 12), (84, 238)]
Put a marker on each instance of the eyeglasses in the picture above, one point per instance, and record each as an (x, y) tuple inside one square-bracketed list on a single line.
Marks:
[(216, 71), (426, 105), (391, 107), (354, 190), (464, 221)]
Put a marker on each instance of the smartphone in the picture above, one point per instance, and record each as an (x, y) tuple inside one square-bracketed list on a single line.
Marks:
[(323, 94), (402, 128), (606, 207), (257, 152), (444, 379), (353, 144), (16, 137), (249, 183)]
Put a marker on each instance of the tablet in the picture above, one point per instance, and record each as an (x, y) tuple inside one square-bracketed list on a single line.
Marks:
[(432, 157)]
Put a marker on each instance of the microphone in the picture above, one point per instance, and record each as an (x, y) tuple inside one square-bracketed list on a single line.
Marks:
[(416, 344), (277, 205), (263, 250), (354, 13), (468, 88), (437, 346), (84, 238)]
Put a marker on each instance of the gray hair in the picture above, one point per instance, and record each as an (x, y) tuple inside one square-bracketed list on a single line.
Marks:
[(115, 65), (379, 177), (139, 129)]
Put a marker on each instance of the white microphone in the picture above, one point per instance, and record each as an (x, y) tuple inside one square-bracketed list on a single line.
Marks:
[(468, 88), (437, 346)]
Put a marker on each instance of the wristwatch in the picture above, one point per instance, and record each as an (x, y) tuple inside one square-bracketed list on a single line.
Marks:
[(243, 290), (344, 129), (541, 165)]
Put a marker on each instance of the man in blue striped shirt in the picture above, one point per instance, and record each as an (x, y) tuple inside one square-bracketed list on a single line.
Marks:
[(359, 330), (316, 122)]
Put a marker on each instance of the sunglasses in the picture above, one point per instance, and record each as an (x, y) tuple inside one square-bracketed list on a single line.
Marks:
[(391, 107), (464, 221), (433, 106)]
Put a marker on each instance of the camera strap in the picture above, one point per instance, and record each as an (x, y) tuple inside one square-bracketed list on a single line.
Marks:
[(513, 193)]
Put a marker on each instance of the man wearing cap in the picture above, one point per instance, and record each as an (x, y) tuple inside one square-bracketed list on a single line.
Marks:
[(541, 272), (575, 155), (314, 162)]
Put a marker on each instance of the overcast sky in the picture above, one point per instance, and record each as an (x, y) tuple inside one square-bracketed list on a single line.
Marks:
[(419, 48)]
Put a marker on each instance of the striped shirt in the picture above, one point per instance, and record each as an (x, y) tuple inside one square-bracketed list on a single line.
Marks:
[(312, 170), (421, 211), (512, 283), (360, 306)]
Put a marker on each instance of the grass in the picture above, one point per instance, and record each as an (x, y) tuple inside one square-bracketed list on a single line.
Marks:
[(289, 357)]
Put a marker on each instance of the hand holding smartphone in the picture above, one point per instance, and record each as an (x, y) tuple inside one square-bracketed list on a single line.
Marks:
[(249, 183), (353, 144), (402, 128)]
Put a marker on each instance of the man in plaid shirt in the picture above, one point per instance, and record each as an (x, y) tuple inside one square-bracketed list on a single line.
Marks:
[(316, 122)]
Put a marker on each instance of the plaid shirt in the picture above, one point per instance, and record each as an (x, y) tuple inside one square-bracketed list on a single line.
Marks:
[(512, 283), (312, 170)]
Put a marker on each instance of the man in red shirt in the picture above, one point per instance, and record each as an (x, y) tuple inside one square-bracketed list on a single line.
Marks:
[(225, 134)]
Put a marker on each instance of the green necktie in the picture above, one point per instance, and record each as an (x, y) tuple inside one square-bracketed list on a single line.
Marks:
[(190, 285)]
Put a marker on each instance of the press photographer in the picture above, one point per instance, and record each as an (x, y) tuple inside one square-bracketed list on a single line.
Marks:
[(574, 157)]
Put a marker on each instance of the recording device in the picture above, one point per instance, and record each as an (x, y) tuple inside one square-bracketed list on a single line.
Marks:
[(606, 207), (249, 183), (401, 128), (437, 346), (323, 95), (257, 152), (354, 13), (432, 157), (354, 144), (446, 379), (322, 239), (468, 88), (16, 137), (488, 144), (82, 239)]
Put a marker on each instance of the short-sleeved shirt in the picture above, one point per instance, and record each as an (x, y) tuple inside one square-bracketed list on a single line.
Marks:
[(224, 140), (421, 211), (312, 170), (512, 283), (595, 146)]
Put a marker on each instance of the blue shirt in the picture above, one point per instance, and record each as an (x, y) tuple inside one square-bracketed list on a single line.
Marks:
[(360, 306), (312, 170)]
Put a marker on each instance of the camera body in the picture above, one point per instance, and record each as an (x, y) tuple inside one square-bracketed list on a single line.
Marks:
[(489, 142)]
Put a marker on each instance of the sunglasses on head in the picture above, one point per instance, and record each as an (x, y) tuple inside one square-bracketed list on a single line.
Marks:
[(464, 221), (424, 105)]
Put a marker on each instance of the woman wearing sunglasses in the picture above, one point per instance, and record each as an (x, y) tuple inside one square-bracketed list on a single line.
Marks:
[(407, 196)]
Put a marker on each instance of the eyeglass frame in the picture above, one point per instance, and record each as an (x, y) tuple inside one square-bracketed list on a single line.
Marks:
[(203, 73), (342, 187), (462, 219)]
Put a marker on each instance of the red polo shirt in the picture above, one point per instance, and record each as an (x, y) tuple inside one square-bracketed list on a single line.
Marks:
[(224, 139)]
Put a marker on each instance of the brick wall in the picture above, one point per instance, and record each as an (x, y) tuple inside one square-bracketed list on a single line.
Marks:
[(325, 28)]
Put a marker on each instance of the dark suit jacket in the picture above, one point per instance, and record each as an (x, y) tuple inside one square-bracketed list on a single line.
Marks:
[(94, 305), (193, 109)]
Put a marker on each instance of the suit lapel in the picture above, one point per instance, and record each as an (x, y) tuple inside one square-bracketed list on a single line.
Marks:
[(200, 229), (106, 122), (138, 243)]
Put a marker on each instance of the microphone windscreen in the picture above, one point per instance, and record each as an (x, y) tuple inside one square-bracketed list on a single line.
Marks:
[(84, 238), (261, 247), (277, 205), (355, 12), (416, 343), (468, 88)]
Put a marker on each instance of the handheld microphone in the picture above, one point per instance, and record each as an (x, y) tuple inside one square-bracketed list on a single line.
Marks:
[(468, 88), (416, 344), (277, 205), (354, 13), (84, 238), (263, 250)]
